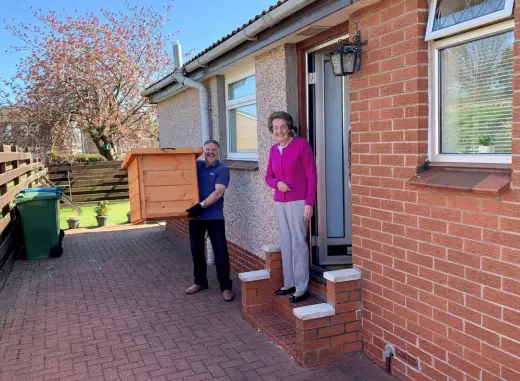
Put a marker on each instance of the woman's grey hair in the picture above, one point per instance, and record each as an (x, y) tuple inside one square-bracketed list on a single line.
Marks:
[(281, 115)]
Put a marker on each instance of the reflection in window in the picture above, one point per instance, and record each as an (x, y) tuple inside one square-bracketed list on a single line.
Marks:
[(241, 119), (242, 88), (242, 129), (452, 12), (476, 96)]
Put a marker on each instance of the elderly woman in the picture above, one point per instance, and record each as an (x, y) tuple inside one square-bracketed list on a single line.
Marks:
[(291, 171)]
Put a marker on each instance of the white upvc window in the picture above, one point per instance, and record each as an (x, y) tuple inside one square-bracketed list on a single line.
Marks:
[(241, 117), (449, 17), (472, 96)]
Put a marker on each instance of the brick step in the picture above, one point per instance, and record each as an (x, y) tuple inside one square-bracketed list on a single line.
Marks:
[(282, 305), (314, 332), (278, 329)]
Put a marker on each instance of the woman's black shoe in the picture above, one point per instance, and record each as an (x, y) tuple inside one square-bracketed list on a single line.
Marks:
[(298, 299), (285, 292)]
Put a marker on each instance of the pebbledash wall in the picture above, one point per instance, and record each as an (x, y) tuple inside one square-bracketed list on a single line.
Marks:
[(249, 208), (441, 269)]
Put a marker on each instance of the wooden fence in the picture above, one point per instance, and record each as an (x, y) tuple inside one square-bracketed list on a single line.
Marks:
[(19, 169), (91, 182)]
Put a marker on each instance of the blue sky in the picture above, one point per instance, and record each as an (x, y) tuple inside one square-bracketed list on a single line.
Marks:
[(199, 22)]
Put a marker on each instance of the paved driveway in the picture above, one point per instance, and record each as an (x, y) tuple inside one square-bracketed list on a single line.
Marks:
[(113, 308)]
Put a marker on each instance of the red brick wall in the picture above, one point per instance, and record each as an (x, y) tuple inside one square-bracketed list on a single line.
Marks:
[(179, 227), (441, 268), (239, 259), (242, 260), (516, 102)]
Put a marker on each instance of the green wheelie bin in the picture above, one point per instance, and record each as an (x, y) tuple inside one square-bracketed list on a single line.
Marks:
[(40, 217)]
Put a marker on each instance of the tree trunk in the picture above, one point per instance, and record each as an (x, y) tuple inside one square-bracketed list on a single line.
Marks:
[(100, 145)]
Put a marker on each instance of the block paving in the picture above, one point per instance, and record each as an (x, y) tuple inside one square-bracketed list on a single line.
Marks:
[(113, 308)]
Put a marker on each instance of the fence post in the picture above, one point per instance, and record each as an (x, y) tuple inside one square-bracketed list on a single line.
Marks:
[(70, 185), (29, 173), (3, 187)]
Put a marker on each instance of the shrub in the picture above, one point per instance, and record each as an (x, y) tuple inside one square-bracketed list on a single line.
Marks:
[(101, 208), (68, 158)]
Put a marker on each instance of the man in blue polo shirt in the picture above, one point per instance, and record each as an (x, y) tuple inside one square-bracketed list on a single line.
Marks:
[(208, 216)]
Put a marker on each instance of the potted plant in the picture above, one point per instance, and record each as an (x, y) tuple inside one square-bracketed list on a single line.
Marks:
[(73, 221), (484, 145), (129, 216), (101, 211)]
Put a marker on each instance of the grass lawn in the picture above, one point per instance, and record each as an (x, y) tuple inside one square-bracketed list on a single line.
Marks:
[(116, 215)]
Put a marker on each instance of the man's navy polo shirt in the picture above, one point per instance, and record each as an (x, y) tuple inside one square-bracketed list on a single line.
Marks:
[(217, 173)]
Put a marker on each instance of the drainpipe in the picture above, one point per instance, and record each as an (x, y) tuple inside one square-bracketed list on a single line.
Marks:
[(204, 117), (389, 353), (204, 101)]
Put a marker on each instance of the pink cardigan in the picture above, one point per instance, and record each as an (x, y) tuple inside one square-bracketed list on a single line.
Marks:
[(297, 168)]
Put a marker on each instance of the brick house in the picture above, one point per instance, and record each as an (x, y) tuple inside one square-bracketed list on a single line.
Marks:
[(418, 201)]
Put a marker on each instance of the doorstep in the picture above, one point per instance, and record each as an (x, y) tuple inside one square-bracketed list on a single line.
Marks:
[(316, 331)]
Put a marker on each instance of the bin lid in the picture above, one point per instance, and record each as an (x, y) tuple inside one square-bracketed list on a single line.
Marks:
[(134, 152), (43, 189), (36, 196)]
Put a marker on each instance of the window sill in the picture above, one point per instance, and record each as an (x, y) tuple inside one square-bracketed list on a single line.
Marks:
[(471, 166), (242, 165), (477, 178)]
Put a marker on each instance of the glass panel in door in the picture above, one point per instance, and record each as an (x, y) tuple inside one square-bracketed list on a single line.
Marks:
[(333, 231)]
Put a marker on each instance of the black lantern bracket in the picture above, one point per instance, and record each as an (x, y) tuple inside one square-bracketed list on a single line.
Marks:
[(357, 43), (351, 47)]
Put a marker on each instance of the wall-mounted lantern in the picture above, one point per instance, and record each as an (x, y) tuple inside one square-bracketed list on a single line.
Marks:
[(347, 59)]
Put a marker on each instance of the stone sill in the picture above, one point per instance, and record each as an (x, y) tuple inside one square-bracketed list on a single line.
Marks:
[(252, 276), (241, 165), (314, 311), (345, 275), (477, 178)]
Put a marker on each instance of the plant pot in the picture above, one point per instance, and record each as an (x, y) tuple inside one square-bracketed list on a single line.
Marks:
[(73, 222), (128, 215), (486, 149), (102, 220)]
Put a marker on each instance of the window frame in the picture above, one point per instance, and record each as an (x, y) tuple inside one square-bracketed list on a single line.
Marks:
[(481, 21), (434, 142), (247, 100)]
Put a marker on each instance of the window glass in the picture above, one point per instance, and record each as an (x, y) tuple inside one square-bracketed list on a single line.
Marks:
[(242, 129), (476, 96), (242, 88)]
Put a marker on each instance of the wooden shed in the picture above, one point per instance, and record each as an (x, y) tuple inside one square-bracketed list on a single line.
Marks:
[(162, 182)]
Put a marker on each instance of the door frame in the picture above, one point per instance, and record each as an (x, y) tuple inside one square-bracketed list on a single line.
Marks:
[(322, 240), (302, 49)]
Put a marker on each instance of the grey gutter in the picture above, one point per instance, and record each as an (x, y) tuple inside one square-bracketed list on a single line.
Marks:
[(297, 21), (249, 33)]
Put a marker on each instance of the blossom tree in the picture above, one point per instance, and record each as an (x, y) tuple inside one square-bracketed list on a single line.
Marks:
[(88, 72)]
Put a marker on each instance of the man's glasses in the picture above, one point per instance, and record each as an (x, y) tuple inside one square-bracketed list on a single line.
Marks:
[(211, 141)]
